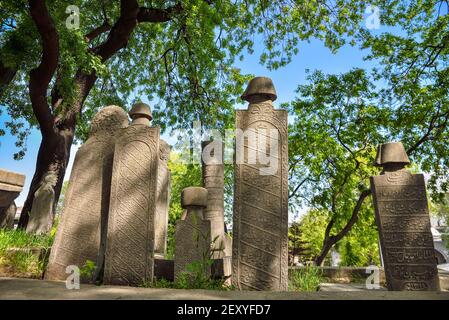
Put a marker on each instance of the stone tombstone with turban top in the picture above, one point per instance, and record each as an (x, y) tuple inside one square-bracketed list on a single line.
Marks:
[(402, 217), (260, 220), (130, 238)]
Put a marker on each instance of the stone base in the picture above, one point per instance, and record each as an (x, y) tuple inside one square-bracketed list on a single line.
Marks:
[(28, 289), (164, 269)]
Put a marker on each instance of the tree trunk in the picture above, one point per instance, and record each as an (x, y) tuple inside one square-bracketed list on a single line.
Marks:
[(54, 151), (53, 157), (329, 241), (6, 76)]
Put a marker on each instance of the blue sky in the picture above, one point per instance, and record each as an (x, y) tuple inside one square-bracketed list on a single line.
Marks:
[(311, 56)]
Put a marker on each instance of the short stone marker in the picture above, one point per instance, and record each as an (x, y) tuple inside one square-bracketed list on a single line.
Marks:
[(403, 221), (162, 201), (130, 242), (260, 222), (11, 185), (192, 235), (86, 204)]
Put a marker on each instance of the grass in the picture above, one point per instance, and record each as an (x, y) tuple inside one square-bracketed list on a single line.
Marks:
[(305, 279), (17, 262)]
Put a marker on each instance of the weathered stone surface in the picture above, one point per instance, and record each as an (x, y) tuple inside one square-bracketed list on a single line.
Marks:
[(11, 185), (130, 242), (7, 216), (260, 221), (390, 153), (192, 235), (260, 86), (34, 289), (403, 221), (194, 196), (162, 201), (11, 181), (41, 216), (81, 231), (213, 181)]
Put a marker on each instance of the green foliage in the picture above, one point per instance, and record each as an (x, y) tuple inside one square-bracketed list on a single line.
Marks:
[(21, 239), (332, 144), (17, 258), (310, 234), (185, 65), (413, 69), (440, 209), (182, 176), (340, 119), (20, 264), (87, 270), (305, 279), (360, 247)]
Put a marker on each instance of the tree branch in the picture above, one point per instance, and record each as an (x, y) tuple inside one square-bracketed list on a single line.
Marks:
[(158, 15), (329, 241), (97, 31), (121, 31), (41, 76)]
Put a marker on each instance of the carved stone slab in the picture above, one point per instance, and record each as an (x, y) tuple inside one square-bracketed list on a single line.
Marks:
[(130, 242), (192, 241), (403, 221), (86, 203), (162, 201), (260, 222)]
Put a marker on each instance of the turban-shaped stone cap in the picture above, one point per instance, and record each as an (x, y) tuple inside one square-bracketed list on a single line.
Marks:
[(391, 153), (109, 119), (260, 85), (140, 110), (194, 196)]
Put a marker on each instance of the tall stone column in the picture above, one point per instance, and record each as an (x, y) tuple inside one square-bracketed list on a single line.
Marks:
[(403, 221), (213, 181), (193, 232), (130, 241), (82, 226), (162, 201), (260, 222)]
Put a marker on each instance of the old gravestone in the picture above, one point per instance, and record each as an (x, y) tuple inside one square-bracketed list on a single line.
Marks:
[(41, 216), (11, 185), (213, 181), (192, 235), (162, 201), (260, 222), (130, 242), (81, 231), (403, 221)]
